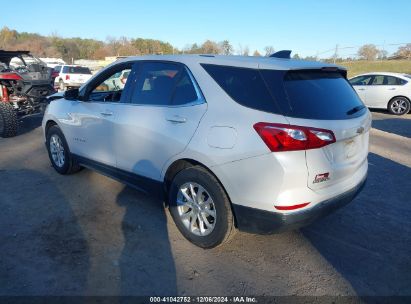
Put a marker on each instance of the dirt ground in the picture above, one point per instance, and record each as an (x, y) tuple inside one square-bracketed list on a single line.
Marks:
[(86, 234)]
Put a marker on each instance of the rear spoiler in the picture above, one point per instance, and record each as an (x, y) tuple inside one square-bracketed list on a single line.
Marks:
[(341, 70), (285, 54)]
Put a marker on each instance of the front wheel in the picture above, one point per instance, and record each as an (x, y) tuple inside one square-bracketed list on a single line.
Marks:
[(399, 106), (200, 208), (59, 152), (8, 120)]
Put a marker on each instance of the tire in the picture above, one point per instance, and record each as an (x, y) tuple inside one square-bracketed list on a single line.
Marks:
[(399, 106), (59, 153), (62, 87), (8, 120), (214, 230)]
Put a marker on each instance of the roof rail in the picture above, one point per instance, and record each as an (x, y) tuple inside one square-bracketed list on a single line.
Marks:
[(285, 54)]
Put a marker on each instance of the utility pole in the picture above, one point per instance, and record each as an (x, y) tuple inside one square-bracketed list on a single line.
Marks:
[(335, 53)]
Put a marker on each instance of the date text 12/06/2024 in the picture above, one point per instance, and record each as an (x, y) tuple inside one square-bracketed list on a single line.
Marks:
[(199, 299)]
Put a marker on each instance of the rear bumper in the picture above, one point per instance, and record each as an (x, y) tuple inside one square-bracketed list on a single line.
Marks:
[(264, 222), (73, 85)]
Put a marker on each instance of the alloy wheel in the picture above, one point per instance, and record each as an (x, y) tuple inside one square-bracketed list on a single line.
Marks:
[(57, 150), (399, 106), (196, 209)]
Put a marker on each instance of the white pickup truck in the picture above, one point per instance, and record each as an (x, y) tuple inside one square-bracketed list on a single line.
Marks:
[(71, 76)]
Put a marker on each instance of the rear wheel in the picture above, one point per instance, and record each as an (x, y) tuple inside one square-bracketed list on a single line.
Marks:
[(399, 106), (200, 208), (8, 120), (59, 152)]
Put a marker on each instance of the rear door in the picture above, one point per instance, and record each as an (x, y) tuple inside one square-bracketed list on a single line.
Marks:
[(325, 100), (383, 88), (378, 93), (163, 111)]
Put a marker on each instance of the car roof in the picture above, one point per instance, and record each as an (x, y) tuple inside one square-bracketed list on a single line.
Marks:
[(6, 56), (382, 73), (238, 61)]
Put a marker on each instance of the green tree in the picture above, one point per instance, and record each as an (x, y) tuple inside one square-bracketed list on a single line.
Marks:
[(226, 48)]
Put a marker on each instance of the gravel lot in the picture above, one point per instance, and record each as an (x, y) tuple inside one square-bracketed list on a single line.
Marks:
[(86, 234)]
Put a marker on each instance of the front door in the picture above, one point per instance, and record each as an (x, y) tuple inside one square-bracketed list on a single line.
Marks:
[(92, 119)]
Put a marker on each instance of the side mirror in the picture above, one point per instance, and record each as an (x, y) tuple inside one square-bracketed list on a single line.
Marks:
[(71, 94)]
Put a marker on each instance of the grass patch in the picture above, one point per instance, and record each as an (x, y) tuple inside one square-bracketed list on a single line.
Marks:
[(362, 66)]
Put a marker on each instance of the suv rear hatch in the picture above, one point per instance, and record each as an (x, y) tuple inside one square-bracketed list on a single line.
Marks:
[(76, 74), (323, 99)]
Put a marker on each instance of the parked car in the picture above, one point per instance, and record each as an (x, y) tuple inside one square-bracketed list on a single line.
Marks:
[(382, 90), (25, 81), (258, 144), (71, 76), (120, 79)]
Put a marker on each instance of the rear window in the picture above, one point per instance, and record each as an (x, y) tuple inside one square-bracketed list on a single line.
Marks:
[(76, 70), (314, 94), (309, 94)]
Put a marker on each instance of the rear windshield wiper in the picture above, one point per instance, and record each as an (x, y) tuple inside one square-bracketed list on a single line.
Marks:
[(355, 109)]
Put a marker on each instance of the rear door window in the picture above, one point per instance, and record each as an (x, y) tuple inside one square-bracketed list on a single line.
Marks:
[(163, 83), (314, 94), (378, 80), (184, 92)]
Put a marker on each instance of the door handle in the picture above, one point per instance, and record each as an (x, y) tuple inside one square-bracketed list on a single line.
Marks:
[(106, 113), (176, 119), (360, 89), (391, 89)]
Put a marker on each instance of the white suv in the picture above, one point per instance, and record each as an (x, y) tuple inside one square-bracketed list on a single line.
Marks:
[(71, 76), (258, 144)]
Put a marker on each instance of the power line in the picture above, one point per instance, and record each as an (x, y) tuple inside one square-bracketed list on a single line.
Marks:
[(338, 48)]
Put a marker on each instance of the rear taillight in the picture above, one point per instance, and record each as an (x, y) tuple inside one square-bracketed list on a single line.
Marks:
[(67, 77), (55, 74), (123, 80), (282, 137), (10, 76)]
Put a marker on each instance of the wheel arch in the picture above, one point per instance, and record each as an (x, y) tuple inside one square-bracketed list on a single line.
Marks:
[(397, 96), (48, 125), (184, 163)]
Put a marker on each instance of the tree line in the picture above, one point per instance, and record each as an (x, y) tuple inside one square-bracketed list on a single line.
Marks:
[(80, 48)]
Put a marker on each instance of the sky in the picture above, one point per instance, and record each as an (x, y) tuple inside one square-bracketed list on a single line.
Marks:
[(307, 27)]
